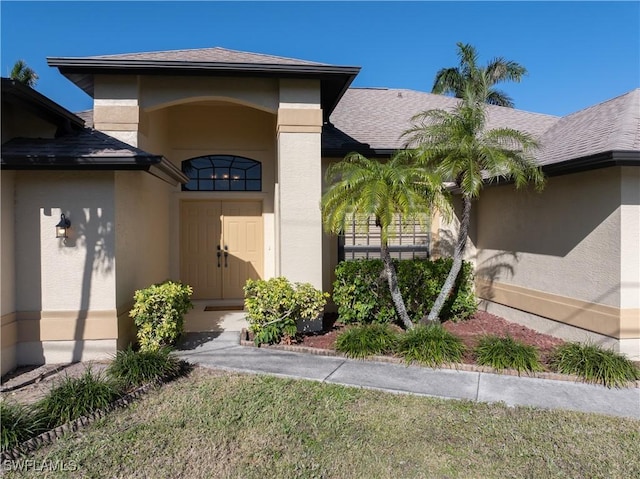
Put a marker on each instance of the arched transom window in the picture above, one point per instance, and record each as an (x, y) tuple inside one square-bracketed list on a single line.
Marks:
[(222, 173)]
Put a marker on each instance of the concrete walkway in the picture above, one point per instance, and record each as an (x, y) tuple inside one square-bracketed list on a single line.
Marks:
[(221, 349)]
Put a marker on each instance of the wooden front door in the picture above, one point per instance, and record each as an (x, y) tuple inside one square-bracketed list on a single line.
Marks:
[(221, 244)]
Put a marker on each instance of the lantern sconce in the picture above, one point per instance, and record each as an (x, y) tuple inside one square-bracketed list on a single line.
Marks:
[(62, 227)]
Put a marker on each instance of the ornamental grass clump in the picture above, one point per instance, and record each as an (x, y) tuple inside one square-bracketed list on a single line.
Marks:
[(431, 345), (366, 340), (18, 423), (76, 397), (131, 368), (507, 353), (594, 364)]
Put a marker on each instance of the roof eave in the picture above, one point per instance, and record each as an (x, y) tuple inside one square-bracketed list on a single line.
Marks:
[(335, 79), (604, 159), (158, 166)]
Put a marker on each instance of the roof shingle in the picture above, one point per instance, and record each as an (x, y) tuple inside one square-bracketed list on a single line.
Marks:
[(208, 55)]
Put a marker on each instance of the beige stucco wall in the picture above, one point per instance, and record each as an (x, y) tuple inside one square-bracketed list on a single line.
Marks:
[(630, 239), (299, 178), (142, 239), (7, 244), (8, 325), (162, 92), (568, 255), (565, 240), (65, 289)]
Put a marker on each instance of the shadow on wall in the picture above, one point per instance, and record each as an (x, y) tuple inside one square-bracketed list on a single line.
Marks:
[(552, 222), (92, 229)]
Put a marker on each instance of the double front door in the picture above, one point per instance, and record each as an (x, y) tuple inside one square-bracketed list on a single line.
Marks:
[(221, 244)]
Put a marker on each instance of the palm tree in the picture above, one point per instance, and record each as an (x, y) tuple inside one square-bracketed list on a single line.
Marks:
[(455, 80), (457, 146), (361, 188), (22, 73)]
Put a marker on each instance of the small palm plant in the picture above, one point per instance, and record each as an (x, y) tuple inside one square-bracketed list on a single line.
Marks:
[(22, 73), (361, 188)]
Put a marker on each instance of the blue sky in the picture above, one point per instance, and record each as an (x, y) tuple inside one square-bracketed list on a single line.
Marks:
[(577, 53)]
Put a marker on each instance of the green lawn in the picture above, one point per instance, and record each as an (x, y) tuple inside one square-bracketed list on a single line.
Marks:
[(218, 424)]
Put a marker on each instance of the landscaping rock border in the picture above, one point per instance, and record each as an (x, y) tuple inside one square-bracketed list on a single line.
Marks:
[(388, 359)]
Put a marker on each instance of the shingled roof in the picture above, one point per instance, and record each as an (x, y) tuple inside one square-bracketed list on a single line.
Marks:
[(86, 149), (379, 116), (601, 135), (334, 79), (613, 125), (207, 55)]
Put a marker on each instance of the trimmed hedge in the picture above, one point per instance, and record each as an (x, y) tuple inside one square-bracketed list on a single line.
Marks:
[(361, 292)]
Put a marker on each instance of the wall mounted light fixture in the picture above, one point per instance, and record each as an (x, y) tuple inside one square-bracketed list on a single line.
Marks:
[(61, 228)]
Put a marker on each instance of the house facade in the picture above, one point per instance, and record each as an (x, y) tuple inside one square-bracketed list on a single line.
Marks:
[(207, 166)]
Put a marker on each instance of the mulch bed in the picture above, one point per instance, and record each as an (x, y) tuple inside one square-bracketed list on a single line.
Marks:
[(470, 331)]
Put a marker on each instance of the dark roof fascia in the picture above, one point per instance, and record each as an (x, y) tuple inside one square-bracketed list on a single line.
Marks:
[(156, 165), (90, 65), (362, 149), (335, 79), (40, 104), (593, 162)]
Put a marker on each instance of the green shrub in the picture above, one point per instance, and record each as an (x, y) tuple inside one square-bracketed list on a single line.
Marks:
[(76, 397), (507, 353), (159, 311), (18, 423), (132, 368), (362, 294), (274, 306), (594, 364), (431, 345), (366, 340)]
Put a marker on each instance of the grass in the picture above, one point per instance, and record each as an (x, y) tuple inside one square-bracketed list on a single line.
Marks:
[(507, 353), (226, 425), (76, 397), (18, 423), (594, 364), (131, 368), (431, 345), (366, 340)]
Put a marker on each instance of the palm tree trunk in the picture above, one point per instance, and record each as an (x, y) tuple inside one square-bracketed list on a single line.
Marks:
[(392, 279), (447, 287)]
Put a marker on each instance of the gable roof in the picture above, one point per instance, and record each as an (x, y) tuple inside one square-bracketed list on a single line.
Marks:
[(334, 79)]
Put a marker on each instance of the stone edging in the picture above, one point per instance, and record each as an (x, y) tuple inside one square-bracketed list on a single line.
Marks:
[(48, 437), (393, 360)]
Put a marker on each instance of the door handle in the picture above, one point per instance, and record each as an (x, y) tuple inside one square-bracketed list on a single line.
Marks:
[(218, 253), (226, 254)]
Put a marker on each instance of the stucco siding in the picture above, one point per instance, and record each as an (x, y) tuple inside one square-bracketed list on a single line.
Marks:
[(7, 244), (72, 274), (162, 92), (564, 241), (142, 233), (630, 240)]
